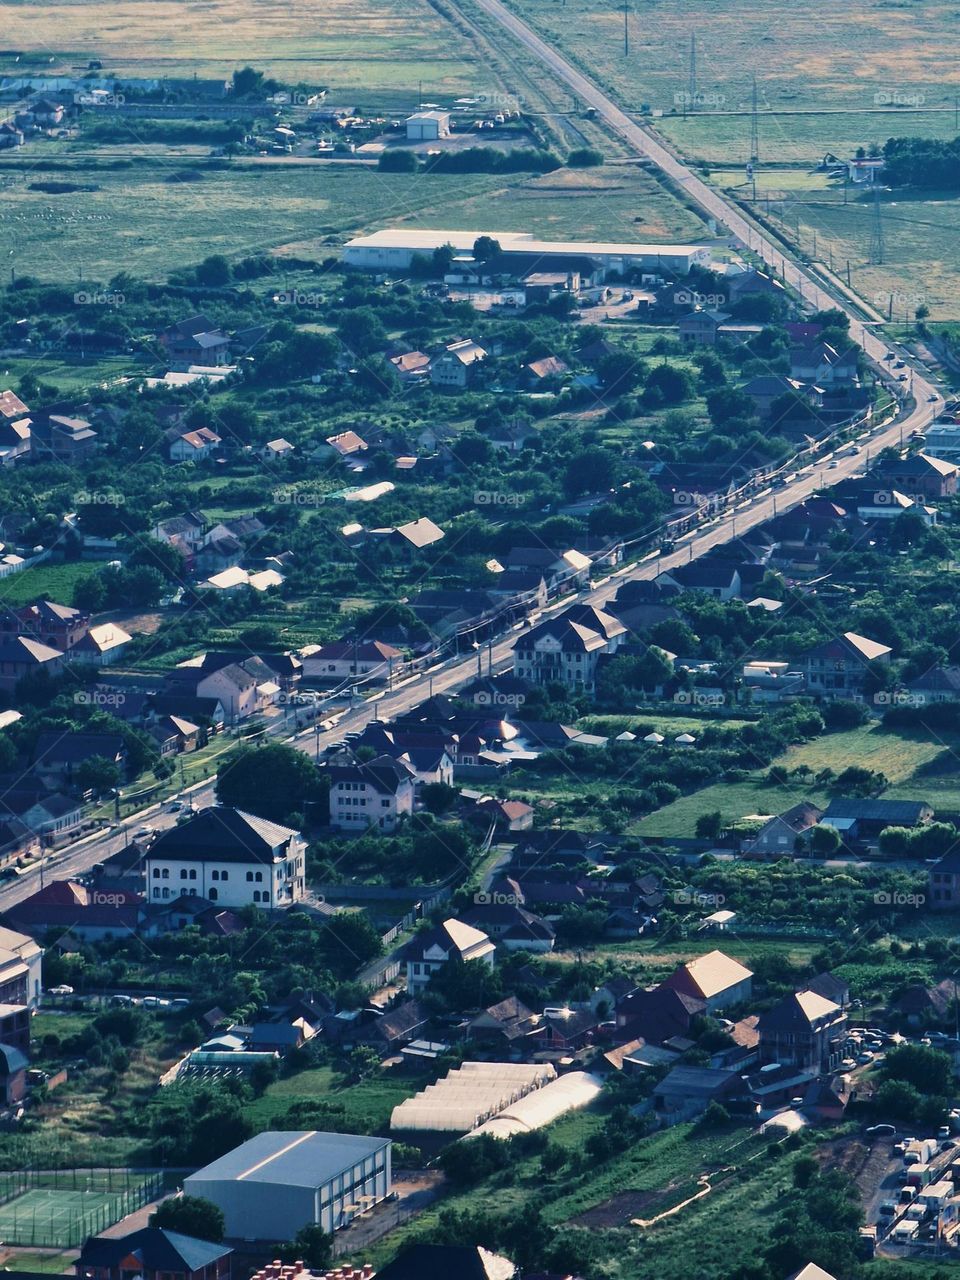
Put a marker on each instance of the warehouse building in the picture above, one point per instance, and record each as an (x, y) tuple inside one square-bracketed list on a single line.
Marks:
[(271, 1186), (395, 248), (428, 126)]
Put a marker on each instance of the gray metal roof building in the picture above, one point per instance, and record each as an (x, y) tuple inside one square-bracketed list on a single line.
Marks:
[(270, 1187)]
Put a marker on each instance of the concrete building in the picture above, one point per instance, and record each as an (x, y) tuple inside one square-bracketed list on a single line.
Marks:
[(375, 793), (838, 668), (567, 648), (395, 249), (21, 969), (230, 857), (276, 1183), (450, 941), (717, 979), (805, 1031), (428, 126)]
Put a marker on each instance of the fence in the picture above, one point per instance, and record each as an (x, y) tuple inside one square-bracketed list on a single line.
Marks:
[(61, 1208)]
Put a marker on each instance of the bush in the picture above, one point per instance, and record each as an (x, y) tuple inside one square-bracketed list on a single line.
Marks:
[(584, 158), (398, 162)]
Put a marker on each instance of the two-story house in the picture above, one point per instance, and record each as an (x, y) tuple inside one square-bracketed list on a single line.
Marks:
[(838, 668), (450, 941), (373, 661), (567, 648), (717, 979), (229, 857), (374, 793)]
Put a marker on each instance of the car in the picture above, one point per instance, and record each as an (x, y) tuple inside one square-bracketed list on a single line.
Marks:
[(175, 806), (181, 1002), (890, 356), (911, 1157), (833, 464), (932, 396), (146, 832), (848, 1064), (943, 1132), (864, 1057), (796, 1102), (925, 1040), (62, 990), (900, 364), (122, 1000), (882, 1131), (902, 377), (887, 1209), (155, 1002)]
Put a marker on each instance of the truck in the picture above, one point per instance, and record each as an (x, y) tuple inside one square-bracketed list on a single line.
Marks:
[(919, 1176), (920, 1151)]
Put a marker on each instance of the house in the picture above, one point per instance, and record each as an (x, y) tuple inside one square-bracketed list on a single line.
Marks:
[(373, 660), (865, 819), (57, 754), (195, 341), (21, 657), (455, 366), (540, 286), (90, 915), (767, 388), (511, 926), (411, 366), (528, 586), (685, 1092), (234, 579), (919, 476), (557, 568), (549, 369), (376, 793), (838, 668), (10, 135), (890, 504), (715, 978), (55, 625), (506, 815), (277, 450), (717, 578), (416, 535), (174, 735), (428, 126), (188, 530), (805, 1031), (659, 1014), (780, 834), (699, 328), (567, 1030), (567, 648), (21, 968), (103, 645), (510, 1026), (194, 446), (821, 365), (397, 1027), (13, 1070), (831, 988), (14, 426), (61, 438), (229, 857), (46, 814), (939, 684), (152, 1253), (347, 444), (242, 688), (943, 879), (450, 941)]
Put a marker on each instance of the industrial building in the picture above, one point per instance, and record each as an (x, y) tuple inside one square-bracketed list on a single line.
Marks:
[(395, 248), (428, 126), (270, 1187)]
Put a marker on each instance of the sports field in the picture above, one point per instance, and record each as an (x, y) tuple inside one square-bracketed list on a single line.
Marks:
[(80, 1205)]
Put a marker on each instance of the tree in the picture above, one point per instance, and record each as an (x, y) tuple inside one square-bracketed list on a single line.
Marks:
[(824, 841), (191, 1216), (362, 331), (929, 1070), (709, 825), (398, 162), (584, 158), (97, 774), (486, 249), (214, 271), (247, 82), (274, 782), (313, 1245)]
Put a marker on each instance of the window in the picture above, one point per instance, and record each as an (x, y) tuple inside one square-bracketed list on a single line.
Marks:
[(166, 893), (224, 876), (259, 877), (183, 873), (166, 873), (249, 877), (214, 875), (156, 891), (256, 895), (156, 873), (193, 873)]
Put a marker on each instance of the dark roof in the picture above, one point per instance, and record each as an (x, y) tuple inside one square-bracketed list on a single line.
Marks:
[(441, 1261), (385, 774), (659, 1014), (831, 988), (896, 812), (56, 747), (156, 1248), (224, 835)]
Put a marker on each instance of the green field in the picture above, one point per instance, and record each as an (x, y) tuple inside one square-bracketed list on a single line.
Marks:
[(918, 769), (363, 1107), (139, 221), (353, 48), (62, 1212), (53, 581)]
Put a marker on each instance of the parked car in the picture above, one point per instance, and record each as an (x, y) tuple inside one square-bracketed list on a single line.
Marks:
[(882, 1131), (887, 1209), (62, 990)]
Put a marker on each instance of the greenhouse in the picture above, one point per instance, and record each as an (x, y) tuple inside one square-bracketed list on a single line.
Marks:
[(469, 1096)]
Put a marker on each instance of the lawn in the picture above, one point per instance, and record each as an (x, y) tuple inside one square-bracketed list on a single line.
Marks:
[(53, 581), (363, 1107)]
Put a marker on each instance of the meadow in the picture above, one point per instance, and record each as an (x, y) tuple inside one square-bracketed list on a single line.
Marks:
[(139, 220)]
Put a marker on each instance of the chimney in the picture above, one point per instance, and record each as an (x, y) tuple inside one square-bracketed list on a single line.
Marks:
[(367, 1271), (298, 1266)]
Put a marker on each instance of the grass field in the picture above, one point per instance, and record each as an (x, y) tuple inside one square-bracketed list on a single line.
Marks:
[(53, 581), (363, 1107), (919, 769), (139, 220), (814, 56), (355, 49)]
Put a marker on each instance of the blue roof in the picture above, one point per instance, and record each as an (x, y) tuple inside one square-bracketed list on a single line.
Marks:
[(300, 1158)]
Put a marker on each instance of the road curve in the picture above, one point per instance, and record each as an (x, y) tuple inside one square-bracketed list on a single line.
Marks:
[(710, 202)]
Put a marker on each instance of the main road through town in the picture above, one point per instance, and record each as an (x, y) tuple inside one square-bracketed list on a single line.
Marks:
[(916, 413)]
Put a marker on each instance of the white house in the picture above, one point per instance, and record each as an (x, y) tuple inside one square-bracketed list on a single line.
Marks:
[(375, 793), (452, 940), (21, 968), (567, 648), (194, 446), (371, 660), (455, 365), (102, 645), (229, 857)]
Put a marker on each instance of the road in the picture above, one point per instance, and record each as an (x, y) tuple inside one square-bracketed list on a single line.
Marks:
[(453, 673), (711, 203)]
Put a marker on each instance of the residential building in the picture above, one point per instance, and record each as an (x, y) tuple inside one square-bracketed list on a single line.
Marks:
[(939, 684), (21, 969), (374, 661), (699, 328), (865, 819), (943, 441), (58, 754), (715, 978), (416, 535), (821, 365), (510, 1026), (920, 476), (375, 793), (152, 1253), (445, 1261), (567, 648), (229, 857), (838, 668), (780, 834), (685, 1092), (659, 1014), (717, 578), (61, 438), (804, 1031), (194, 446), (195, 341), (103, 645), (21, 657), (450, 941), (275, 1184), (943, 879), (456, 364), (56, 625), (88, 915)]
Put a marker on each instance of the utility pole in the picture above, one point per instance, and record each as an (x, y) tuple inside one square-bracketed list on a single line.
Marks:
[(754, 126), (876, 230), (626, 29), (692, 87)]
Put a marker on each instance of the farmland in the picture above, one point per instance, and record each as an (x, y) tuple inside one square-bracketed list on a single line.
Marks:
[(138, 218)]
